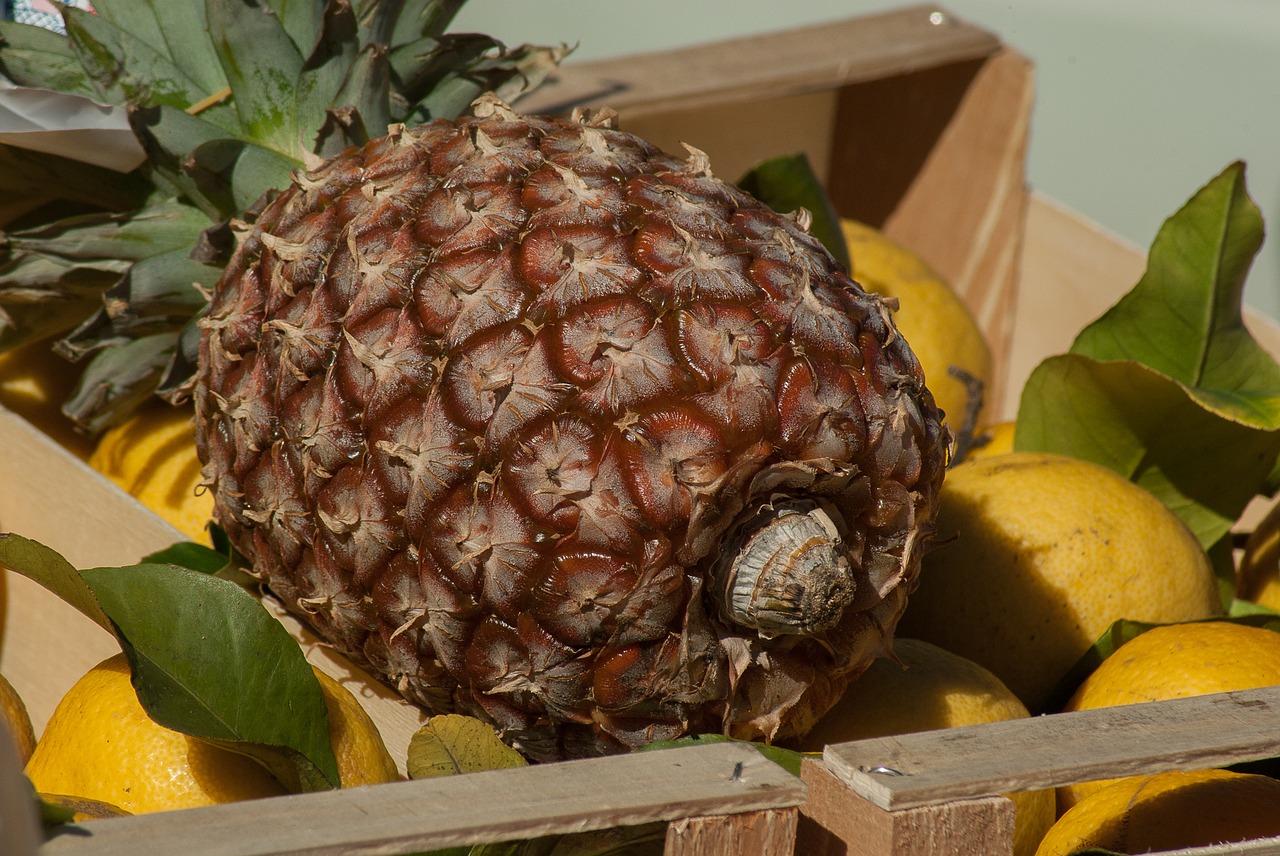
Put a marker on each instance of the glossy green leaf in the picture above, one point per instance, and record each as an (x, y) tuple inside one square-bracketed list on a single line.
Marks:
[(40, 297), (302, 19), (458, 69), (1151, 430), (451, 744), (180, 629), (37, 57), (174, 382), (394, 25), (787, 184), (420, 66), (326, 70), (165, 286), (47, 567), (246, 171), (364, 99), (1168, 388), (190, 555), (1184, 317)]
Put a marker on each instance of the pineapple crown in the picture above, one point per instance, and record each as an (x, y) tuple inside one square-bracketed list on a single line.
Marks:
[(227, 98)]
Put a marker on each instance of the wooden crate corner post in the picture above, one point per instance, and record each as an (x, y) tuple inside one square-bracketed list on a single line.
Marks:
[(838, 821)]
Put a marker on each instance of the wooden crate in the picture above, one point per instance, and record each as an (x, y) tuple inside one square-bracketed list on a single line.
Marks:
[(918, 122)]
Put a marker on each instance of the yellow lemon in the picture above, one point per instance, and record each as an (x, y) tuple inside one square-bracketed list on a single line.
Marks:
[(100, 744), (152, 456), (13, 713), (993, 440), (363, 758), (927, 689), (1258, 571), (1177, 661), (931, 316), (34, 381), (1169, 811), (1037, 554)]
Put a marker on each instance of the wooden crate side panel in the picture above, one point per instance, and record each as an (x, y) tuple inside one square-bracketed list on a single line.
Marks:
[(764, 66), (936, 159), (739, 134)]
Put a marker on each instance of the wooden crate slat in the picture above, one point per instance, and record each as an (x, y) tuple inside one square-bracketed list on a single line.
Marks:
[(767, 65), (1058, 749), (1253, 847), (501, 805)]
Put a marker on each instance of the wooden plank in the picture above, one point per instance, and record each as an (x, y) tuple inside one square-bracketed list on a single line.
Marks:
[(753, 833), (1046, 751), (502, 805), (836, 821), (1253, 847), (787, 62), (1071, 271)]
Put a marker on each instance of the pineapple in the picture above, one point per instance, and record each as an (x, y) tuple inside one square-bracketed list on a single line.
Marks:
[(226, 97), (532, 419), (548, 427)]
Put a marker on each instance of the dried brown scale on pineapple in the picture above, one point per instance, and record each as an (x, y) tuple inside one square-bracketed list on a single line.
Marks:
[(489, 401)]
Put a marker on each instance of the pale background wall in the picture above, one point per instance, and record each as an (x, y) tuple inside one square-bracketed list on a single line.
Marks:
[(1139, 101)]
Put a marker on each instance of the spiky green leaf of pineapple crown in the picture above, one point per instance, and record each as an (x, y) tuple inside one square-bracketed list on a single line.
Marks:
[(227, 97)]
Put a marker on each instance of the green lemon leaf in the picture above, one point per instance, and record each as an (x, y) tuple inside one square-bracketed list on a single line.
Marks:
[(1168, 387), (1184, 317), (208, 660), (47, 567), (452, 743), (1150, 429), (53, 813), (189, 555), (789, 183)]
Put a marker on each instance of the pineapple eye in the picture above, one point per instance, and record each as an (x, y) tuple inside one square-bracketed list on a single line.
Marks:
[(786, 570)]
